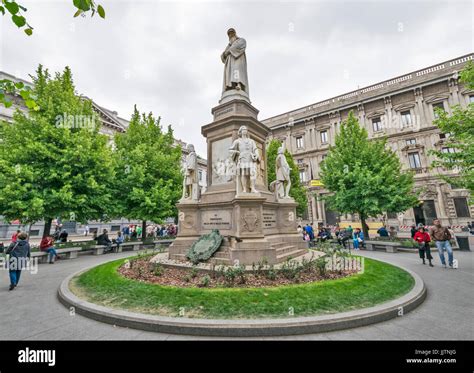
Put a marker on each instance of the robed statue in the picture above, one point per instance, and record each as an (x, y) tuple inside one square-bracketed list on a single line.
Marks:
[(190, 181), (282, 175), (235, 69)]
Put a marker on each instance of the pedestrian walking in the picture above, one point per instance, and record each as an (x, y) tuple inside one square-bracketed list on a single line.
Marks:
[(423, 240), (19, 252), (441, 237)]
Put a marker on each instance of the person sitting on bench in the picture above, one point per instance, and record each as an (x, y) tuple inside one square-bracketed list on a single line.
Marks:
[(104, 240)]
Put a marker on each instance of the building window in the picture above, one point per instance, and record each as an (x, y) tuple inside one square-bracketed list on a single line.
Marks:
[(438, 105), (302, 176), (448, 150), (200, 175), (377, 124), (300, 161), (471, 99), (411, 142), (462, 208), (414, 159), (299, 142), (406, 118), (324, 137)]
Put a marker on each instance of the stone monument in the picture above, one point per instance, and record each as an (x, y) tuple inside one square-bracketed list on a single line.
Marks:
[(255, 224)]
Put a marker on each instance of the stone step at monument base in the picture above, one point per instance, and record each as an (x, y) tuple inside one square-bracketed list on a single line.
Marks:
[(286, 249), (212, 260), (280, 245), (290, 254)]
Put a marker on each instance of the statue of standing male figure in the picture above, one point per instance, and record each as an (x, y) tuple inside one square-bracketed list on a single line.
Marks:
[(190, 182), (244, 152), (282, 169), (235, 61)]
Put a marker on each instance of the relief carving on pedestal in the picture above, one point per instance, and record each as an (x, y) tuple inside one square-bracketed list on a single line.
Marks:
[(250, 220), (187, 220)]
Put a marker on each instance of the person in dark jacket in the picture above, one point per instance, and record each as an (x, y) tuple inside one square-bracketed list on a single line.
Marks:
[(19, 251), (382, 231), (63, 236), (104, 239)]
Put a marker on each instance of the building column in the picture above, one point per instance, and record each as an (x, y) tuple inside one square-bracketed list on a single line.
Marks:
[(453, 90), (443, 216), (314, 214)]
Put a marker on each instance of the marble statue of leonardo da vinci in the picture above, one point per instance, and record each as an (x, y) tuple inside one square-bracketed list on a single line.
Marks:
[(235, 69)]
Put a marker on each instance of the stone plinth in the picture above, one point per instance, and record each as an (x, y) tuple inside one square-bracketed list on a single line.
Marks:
[(254, 226)]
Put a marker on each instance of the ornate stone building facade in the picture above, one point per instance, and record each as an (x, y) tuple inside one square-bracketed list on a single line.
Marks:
[(401, 109)]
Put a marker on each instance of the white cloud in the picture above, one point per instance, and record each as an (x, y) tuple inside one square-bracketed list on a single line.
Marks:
[(164, 56)]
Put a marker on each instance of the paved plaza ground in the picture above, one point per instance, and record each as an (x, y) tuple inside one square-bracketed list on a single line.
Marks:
[(32, 311)]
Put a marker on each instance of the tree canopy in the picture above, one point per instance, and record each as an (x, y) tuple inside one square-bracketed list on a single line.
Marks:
[(460, 127), (148, 168), (365, 177), (53, 161)]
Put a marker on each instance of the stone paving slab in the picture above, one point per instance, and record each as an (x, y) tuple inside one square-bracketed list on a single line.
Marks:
[(450, 296)]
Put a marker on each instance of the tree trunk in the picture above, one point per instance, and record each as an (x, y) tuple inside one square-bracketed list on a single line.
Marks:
[(365, 227), (143, 230), (47, 227)]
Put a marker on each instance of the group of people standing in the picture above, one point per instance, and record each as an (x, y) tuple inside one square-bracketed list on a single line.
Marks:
[(152, 231)]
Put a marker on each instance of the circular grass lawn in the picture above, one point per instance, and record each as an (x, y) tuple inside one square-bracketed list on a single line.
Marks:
[(378, 283)]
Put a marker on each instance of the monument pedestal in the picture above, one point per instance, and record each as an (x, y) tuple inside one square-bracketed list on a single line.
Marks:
[(255, 226)]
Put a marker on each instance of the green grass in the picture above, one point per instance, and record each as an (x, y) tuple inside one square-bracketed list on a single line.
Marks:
[(379, 282)]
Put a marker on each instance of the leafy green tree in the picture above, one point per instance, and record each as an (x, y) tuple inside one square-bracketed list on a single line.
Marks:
[(148, 167), (16, 12), (365, 177), (297, 191), (460, 127), (53, 161)]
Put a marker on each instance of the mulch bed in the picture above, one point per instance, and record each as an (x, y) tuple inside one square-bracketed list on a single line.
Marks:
[(144, 271)]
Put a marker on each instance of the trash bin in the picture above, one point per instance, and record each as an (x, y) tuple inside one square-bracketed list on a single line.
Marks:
[(463, 243)]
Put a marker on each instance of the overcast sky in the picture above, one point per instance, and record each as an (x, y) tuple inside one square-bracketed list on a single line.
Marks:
[(164, 56)]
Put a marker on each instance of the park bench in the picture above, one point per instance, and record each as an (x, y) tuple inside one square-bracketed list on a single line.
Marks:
[(130, 245), (388, 246), (66, 253)]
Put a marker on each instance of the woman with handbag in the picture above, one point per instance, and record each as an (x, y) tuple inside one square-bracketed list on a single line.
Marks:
[(19, 251), (423, 239)]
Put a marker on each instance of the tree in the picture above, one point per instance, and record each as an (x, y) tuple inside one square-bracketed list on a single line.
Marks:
[(364, 177), (297, 191), (53, 161), (148, 166), (15, 11), (460, 127)]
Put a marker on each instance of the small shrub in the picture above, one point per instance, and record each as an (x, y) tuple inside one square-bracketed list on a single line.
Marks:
[(290, 269), (158, 271), (321, 265), (205, 281), (194, 272), (271, 273)]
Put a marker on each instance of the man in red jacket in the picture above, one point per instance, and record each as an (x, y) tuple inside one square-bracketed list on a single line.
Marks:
[(47, 245), (423, 239)]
